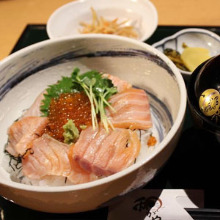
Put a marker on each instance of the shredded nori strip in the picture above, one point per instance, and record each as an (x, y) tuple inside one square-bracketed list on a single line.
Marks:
[(17, 165)]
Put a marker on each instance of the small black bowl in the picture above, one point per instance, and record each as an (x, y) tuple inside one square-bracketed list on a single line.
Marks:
[(205, 76)]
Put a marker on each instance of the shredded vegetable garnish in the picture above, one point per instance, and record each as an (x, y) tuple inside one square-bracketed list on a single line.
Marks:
[(103, 26), (98, 90)]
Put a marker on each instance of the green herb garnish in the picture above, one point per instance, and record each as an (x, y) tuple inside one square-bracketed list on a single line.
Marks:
[(97, 88)]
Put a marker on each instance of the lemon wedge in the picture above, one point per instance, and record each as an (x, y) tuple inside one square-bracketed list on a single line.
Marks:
[(194, 56)]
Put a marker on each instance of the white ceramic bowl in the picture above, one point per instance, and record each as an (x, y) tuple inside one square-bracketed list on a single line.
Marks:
[(193, 37), (65, 21), (24, 74)]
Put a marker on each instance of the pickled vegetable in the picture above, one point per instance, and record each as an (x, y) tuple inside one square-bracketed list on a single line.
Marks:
[(194, 56), (190, 58)]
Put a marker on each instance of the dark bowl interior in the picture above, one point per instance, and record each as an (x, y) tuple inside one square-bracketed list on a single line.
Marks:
[(205, 76)]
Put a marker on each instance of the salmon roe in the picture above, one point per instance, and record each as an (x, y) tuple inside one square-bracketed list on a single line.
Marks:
[(67, 106), (151, 141)]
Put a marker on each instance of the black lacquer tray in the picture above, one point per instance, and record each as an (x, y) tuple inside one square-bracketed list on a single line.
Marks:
[(193, 165)]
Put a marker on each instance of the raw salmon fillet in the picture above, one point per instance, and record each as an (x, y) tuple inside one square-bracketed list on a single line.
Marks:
[(22, 133), (50, 157), (119, 83), (79, 175), (131, 110), (105, 153), (47, 157)]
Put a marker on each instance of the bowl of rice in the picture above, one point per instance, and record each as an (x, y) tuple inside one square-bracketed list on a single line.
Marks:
[(84, 120)]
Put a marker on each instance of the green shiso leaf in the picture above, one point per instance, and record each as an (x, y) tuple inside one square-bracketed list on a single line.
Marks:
[(65, 85)]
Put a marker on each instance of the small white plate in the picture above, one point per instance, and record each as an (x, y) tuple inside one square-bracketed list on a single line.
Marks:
[(65, 21), (192, 37)]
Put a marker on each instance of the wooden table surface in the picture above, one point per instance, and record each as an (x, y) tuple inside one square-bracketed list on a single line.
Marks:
[(16, 14)]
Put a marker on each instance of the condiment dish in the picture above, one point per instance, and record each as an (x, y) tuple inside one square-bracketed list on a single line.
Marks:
[(192, 37), (141, 14)]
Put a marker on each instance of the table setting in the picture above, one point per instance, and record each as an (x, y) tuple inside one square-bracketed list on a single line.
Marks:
[(174, 172)]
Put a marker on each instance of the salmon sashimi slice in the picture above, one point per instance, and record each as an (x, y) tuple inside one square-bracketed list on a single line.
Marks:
[(90, 153), (34, 109), (105, 149), (119, 83), (23, 132), (131, 110), (50, 157), (124, 156), (99, 165), (86, 137), (79, 175)]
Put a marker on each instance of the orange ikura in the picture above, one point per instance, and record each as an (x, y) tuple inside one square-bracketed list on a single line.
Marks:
[(68, 106)]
